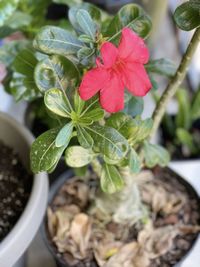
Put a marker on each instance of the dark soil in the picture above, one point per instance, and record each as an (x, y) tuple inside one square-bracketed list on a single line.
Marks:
[(15, 187), (188, 215)]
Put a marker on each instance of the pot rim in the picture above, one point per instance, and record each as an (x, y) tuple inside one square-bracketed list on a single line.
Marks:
[(18, 239), (56, 185)]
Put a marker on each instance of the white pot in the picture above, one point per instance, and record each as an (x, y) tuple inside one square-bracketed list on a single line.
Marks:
[(17, 241)]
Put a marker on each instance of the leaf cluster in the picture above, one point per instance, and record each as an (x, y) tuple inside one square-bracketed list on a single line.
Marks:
[(180, 129)]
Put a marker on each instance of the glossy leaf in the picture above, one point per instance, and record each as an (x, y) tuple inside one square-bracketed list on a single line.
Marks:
[(55, 72), (56, 101), (77, 156), (93, 11), (85, 38), (93, 115), (25, 62), (132, 16), (135, 130), (78, 103), (84, 138), (155, 155), (134, 161), (109, 142), (122, 123), (161, 66), (84, 54), (64, 135), (68, 2), (140, 130), (187, 15), (86, 23), (22, 87), (9, 51), (7, 8), (44, 153), (111, 180), (54, 40), (22, 84), (134, 106), (18, 20)]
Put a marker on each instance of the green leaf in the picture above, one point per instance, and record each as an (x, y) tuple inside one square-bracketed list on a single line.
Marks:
[(9, 51), (195, 109), (64, 135), (56, 101), (18, 20), (185, 138), (183, 118), (134, 106), (93, 11), (161, 66), (84, 137), (44, 153), (84, 54), (85, 38), (78, 103), (54, 40), (135, 130), (155, 155), (68, 2), (122, 123), (111, 180), (109, 142), (134, 161), (22, 84), (86, 23), (77, 156), (93, 115), (25, 62), (7, 8), (187, 15), (55, 72), (22, 87), (5, 31), (132, 16)]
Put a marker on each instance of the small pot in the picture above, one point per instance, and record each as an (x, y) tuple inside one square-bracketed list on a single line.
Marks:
[(55, 187), (14, 245)]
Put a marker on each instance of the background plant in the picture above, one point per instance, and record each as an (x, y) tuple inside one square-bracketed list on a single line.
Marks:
[(180, 128)]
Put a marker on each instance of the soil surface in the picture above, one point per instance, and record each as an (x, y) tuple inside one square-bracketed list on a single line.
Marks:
[(15, 187), (171, 203)]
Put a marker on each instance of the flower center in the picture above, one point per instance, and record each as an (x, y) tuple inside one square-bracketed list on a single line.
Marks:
[(117, 67)]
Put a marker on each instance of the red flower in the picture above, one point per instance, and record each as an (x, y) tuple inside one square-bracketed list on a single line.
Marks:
[(119, 68)]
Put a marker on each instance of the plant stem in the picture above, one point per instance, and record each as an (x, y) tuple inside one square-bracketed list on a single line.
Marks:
[(175, 82), (96, 166)]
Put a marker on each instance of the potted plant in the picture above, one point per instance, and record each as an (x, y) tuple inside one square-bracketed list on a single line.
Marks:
[(113, 215), (123, 211), (23, 195)]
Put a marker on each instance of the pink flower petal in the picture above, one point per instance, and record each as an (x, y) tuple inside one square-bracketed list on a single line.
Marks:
[(109, 54), (94, 80), (136, 79), (112, 95), (132, 47)]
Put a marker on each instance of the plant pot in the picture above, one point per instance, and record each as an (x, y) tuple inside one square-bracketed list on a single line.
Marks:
[(17, 241), (69, 174)]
